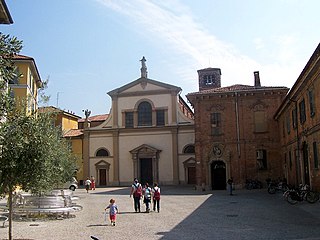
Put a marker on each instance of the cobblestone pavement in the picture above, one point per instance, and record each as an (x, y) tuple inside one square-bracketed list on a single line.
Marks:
[(185, 214)]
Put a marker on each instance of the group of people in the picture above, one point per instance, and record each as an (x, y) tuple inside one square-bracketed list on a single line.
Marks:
[(138, 192), (90, 184), (147, 194)]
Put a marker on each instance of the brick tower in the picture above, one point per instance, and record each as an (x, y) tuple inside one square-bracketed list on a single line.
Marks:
[(209, 78)]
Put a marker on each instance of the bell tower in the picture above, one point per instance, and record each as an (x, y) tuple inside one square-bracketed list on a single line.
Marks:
[(209, 78)]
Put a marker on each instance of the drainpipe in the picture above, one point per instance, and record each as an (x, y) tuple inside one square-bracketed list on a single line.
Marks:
[(298, 171), (237, 125), (238, 135)]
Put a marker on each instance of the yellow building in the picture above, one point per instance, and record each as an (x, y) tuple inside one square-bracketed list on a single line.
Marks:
[(25, 86), (65, 119), (68, 122)]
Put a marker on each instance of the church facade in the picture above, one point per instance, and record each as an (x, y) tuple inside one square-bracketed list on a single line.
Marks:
[(148, 134)]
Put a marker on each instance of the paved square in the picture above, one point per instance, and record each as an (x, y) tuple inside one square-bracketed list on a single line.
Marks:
[(185, 214)]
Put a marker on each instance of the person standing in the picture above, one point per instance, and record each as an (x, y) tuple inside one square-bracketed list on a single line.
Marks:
[(113, 211), (230, 183), (93, 183), (147, 196), (136, 191), (156, 197), (87, 184)]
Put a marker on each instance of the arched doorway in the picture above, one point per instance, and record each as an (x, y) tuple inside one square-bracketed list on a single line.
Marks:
[(218, 175)]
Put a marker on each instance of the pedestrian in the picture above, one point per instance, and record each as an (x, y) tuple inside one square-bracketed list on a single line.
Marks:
[(156, 197), (113, 211), (147, 196), (93, 183), (87, 184), (230, 185), (136, 191)]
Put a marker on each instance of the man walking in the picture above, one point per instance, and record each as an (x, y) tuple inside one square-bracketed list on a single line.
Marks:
[(136, 191)]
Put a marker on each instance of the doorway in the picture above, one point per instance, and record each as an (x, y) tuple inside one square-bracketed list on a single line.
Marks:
[(192, 175), (102, 177), (146, 171), (218, 175)]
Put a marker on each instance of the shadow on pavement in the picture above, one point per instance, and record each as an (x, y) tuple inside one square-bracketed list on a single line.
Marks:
[(165, 190), (97, 225), (247, 215)]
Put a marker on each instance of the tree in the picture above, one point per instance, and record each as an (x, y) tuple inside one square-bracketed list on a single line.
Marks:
[(33, 153), (9, 46)]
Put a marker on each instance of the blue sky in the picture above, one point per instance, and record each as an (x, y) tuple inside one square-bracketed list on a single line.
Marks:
[(89, 47)]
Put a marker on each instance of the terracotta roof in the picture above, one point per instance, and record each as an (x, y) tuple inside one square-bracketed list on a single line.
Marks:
[(96, 118), (18, 57), (73, 133), (21, 57), (234, 88), (57, 110)]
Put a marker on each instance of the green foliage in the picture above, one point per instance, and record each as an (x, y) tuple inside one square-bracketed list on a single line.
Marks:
[(34, 155), (9, 46)]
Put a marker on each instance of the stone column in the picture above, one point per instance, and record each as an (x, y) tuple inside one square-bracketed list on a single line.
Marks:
[(116, 157), (175, 160)]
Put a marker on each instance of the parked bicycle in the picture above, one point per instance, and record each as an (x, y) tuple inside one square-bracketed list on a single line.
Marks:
[(274, 186), (294, 196), (253, 184)]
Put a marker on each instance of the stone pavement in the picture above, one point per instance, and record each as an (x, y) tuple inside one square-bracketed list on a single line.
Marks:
[(185, 214)]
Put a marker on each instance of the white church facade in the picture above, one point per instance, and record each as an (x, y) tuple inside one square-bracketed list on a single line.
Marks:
[(148, 134)]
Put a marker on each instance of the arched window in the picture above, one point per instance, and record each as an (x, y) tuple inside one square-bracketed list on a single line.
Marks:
[(102, 153), (189, 149), (144, 114)]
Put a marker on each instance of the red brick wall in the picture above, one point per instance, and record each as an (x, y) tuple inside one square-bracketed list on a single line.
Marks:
[(239, 151)]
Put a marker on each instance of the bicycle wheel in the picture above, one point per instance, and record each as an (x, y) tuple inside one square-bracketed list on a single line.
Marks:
[(291, 200), (285, 188), (249, 186), (272, 189), (312, 196)]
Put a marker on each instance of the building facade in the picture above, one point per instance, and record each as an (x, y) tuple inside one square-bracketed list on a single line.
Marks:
[(24, 88), (148, 134), (75, 138), (67, 121), (299, 121), (235, 133)]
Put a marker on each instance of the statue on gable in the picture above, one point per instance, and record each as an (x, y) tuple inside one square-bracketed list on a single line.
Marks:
[(144, 72), (87, 113)]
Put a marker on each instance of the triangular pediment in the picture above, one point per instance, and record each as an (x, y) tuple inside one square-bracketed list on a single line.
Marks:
[(102, 163), (145, 148), (144, 85), (191, 160)]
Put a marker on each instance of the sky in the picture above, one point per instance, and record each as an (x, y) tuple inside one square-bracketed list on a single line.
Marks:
[(87, 48)]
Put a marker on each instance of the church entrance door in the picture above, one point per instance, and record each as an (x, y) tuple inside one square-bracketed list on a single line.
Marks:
[(218, 175), (146, 170)]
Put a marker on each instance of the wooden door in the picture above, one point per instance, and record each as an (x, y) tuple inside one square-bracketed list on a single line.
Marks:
[(146, 171), (191, 175), (102, 177)]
